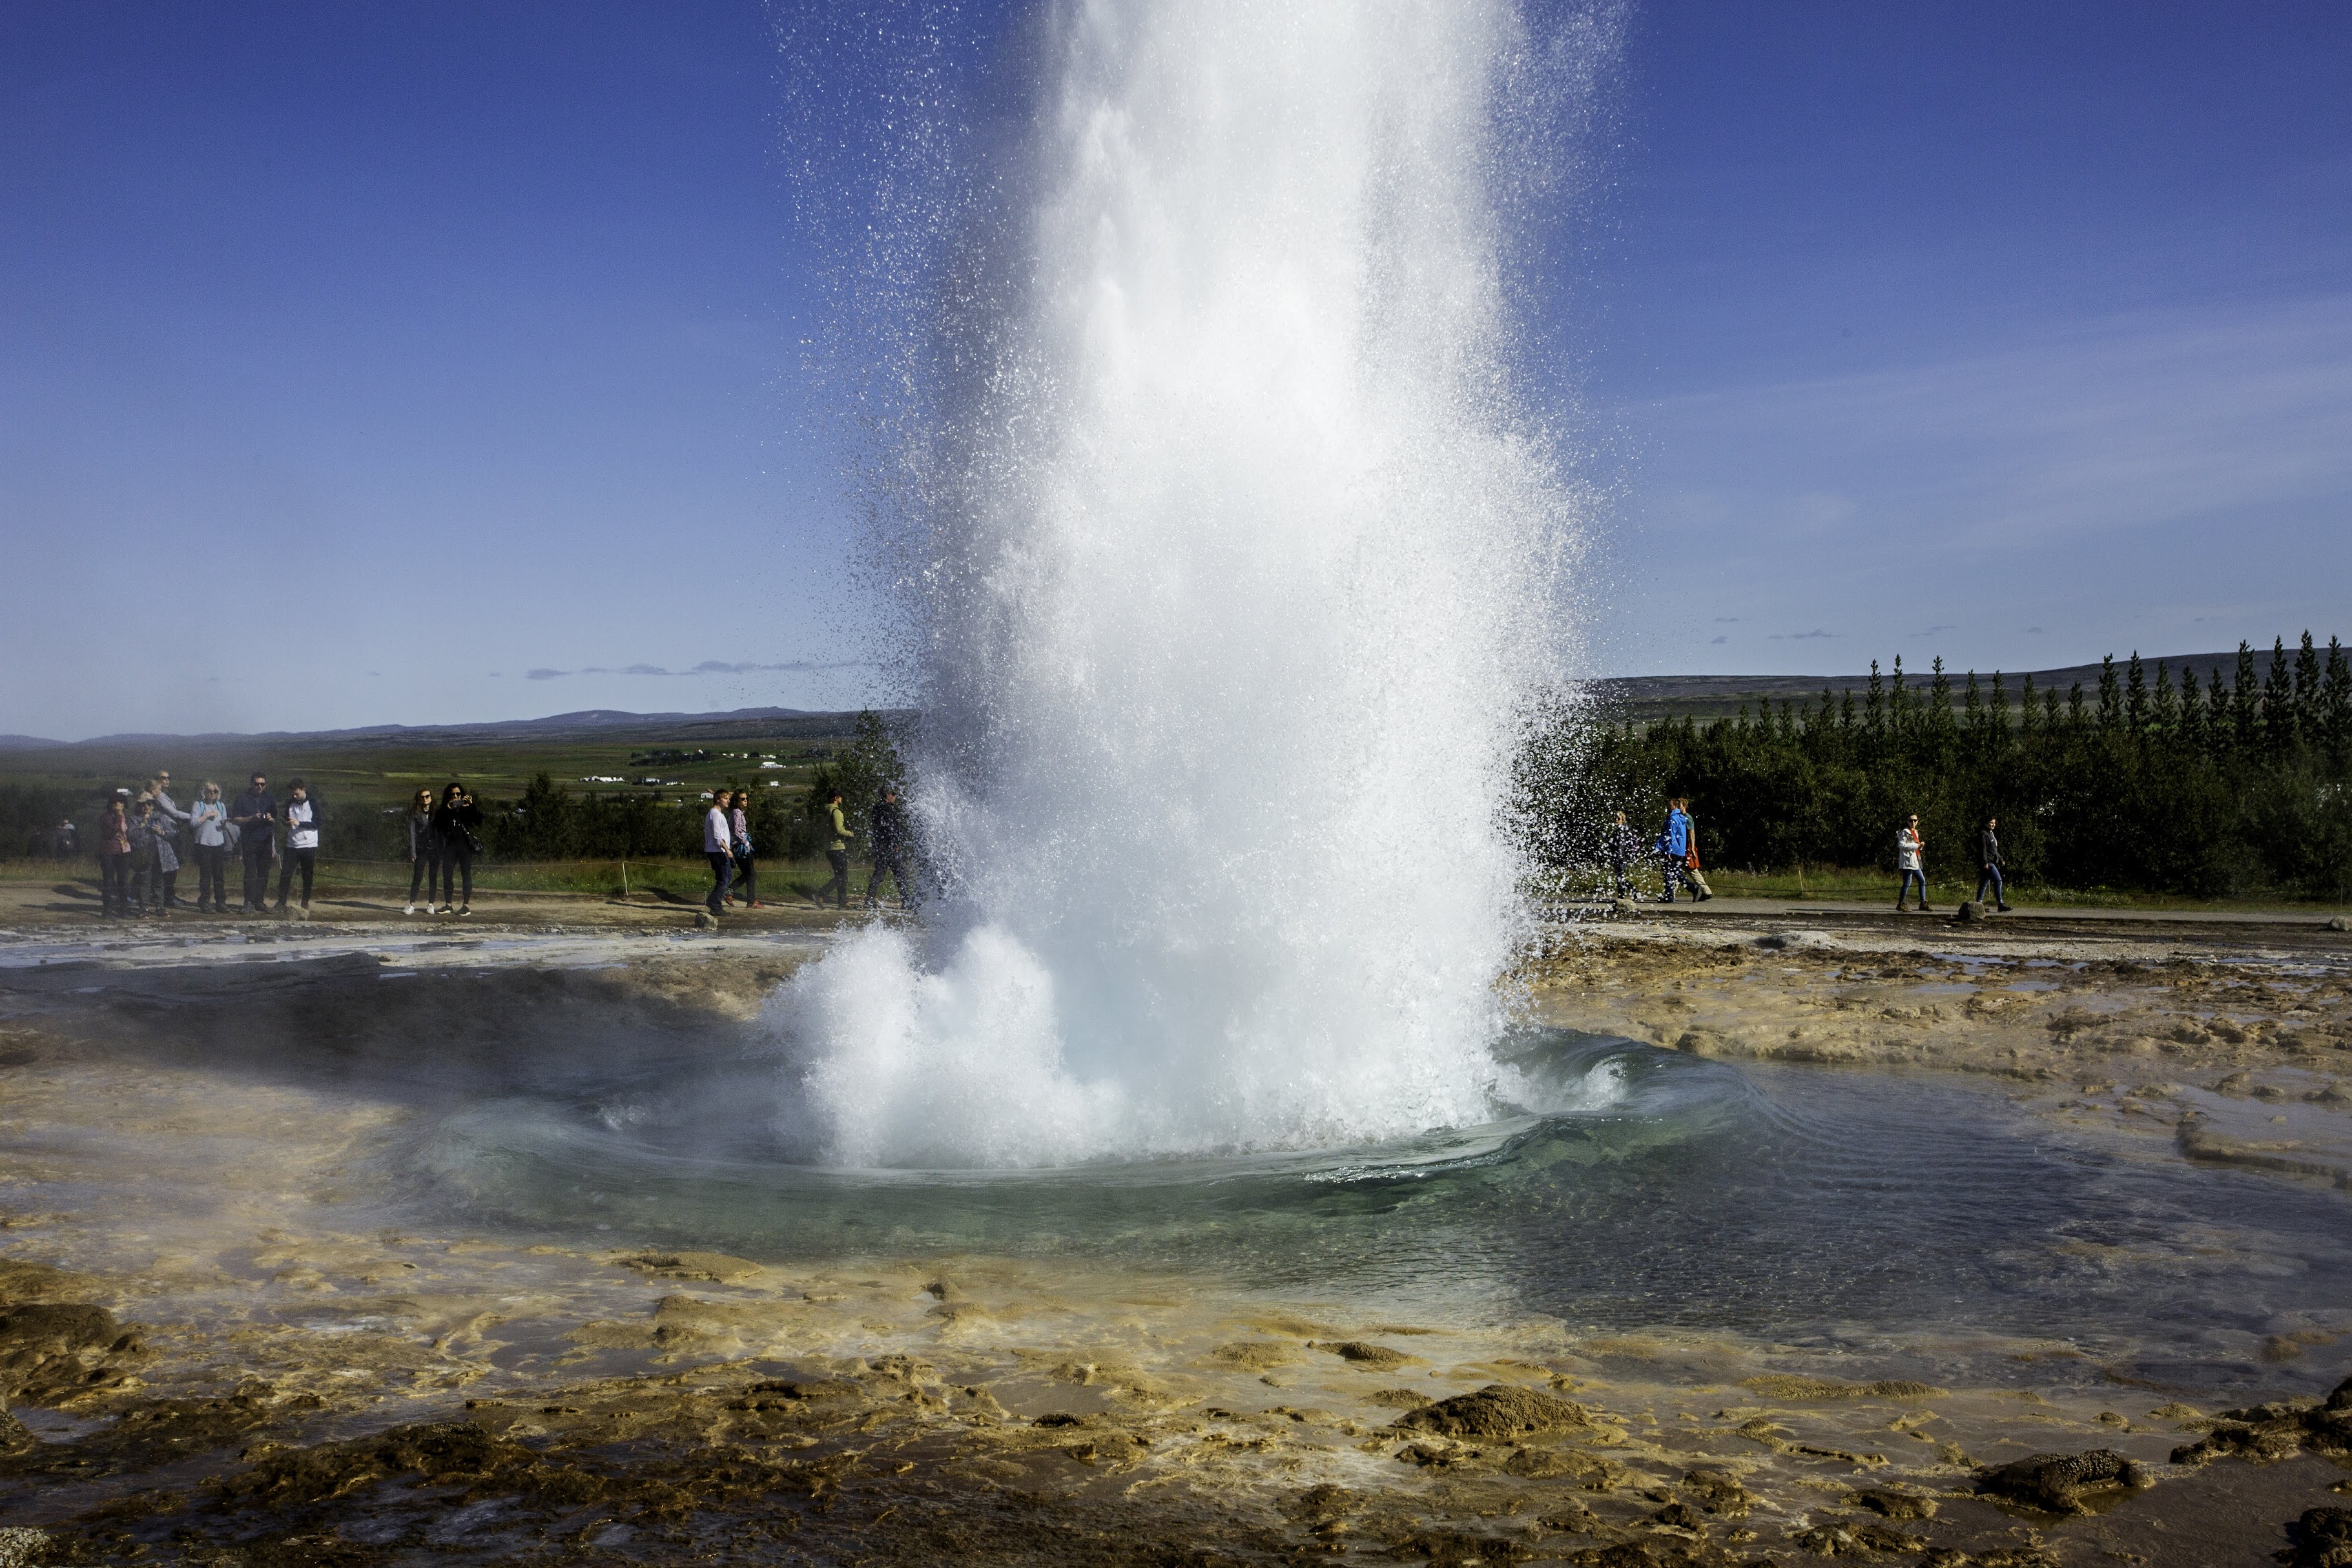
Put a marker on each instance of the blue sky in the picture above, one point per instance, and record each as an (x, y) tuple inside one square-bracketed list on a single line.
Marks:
[(430, 362)]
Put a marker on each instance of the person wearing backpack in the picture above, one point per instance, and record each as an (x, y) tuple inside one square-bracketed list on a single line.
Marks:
[(1673, 849), (836, 855)]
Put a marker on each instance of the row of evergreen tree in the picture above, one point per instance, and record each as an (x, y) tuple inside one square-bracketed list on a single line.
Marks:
[(2148, 783)]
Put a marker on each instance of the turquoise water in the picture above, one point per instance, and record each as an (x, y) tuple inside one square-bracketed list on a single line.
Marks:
[(1642, 1189)]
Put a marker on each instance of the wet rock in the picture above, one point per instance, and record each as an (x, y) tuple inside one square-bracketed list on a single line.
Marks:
[(1718, 1492), (53, 1351), (710, 1267), (1903, 1505), (1378, 1358), (1497, 1410), (1777, 1386), (2339, 922), (2060, 1483), (2322, 1537), (1593, 1472), (1398, 1398), (2266, 1431), (1969, 911)]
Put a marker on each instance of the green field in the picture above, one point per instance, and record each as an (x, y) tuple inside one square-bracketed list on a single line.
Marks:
[(365, 782)]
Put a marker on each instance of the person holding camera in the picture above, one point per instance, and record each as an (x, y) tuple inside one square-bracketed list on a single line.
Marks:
[(454, 824)]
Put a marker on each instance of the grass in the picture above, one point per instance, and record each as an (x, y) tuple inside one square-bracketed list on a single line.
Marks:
[(1845, 884)]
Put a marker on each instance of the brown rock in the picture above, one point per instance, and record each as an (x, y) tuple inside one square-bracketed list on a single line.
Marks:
[(1497, 1410)]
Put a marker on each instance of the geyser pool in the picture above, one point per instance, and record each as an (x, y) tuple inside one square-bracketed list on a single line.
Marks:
[(1237, 567)]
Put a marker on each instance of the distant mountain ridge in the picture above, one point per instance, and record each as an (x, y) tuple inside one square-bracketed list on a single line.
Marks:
[(598, 723), (1626, 695)]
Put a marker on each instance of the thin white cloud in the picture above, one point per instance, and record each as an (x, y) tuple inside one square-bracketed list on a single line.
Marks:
[(708, 666)]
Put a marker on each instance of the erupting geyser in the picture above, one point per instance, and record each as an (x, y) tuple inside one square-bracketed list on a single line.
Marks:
[(1236, 576)]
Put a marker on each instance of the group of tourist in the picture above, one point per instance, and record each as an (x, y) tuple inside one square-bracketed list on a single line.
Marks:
[(145, 838), (1676, 851), (727, 846)]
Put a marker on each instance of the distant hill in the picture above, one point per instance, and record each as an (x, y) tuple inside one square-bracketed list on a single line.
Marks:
[(1713, 696), (600, 724)]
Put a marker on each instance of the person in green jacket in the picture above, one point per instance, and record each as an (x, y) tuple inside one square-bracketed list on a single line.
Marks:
[(836, 855)]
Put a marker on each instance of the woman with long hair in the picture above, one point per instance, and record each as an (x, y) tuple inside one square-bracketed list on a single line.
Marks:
[(114, 855), (208, 822), (424, 852), (454, 820), (747, 864)]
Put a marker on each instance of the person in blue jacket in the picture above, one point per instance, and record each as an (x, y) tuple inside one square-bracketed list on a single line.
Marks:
[(1673, 850)]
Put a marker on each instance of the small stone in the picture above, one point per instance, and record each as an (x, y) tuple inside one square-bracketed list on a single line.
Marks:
[(705, 920), (2339, 922)]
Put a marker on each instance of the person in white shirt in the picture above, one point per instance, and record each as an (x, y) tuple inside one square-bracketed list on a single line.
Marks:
[(718, 848), (209, 820), (302, 824), (1910, 858)]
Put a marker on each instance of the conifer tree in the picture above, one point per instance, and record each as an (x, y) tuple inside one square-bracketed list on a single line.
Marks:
[(2336, 702), (2163, 711), (2136, 698), (1873, 713), (2221, 725), (2308, 725), (2076, 713), (2278, 700), (2245, 703), (1997, 714), (2028, 716), (1939, 704), (2111, 706), (2192, 713), (2053, 722)]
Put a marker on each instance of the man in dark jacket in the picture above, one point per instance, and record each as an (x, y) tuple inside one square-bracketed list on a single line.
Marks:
[(1989, 864), (886, 830), (254, 817)]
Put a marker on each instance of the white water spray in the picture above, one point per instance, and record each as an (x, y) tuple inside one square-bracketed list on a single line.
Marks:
[(1238, 585)]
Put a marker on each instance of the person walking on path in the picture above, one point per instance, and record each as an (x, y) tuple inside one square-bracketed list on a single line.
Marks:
[(1988, 865), (424, 852), (1692, 871), (747, 863), (1623, 846), (303, 821), (114, 855), (1910, 858), (208, 825), (453, 822), (886, 837), (718, 848), (255, 817), (65, 839), (836, 855), (1673, 849)]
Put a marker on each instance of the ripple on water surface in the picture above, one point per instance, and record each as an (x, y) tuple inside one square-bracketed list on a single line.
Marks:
[(1635, 1187)]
